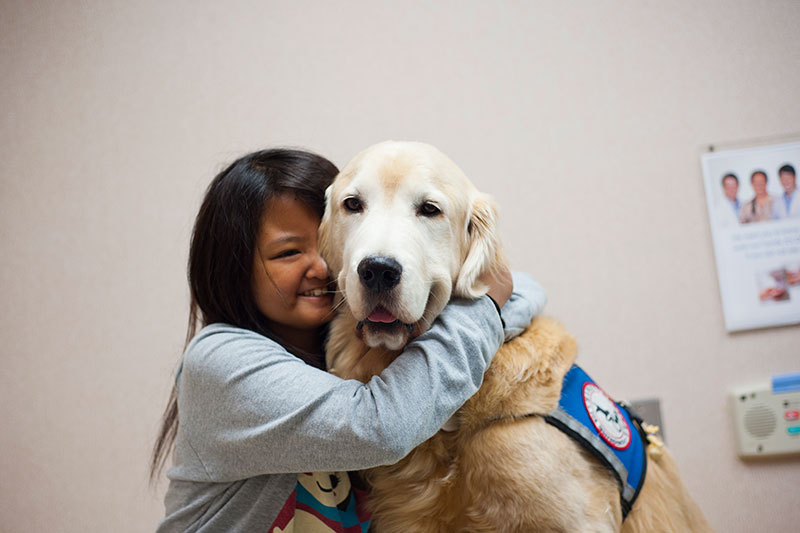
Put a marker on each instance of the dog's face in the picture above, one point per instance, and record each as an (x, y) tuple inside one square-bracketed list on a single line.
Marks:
[(402, 231)]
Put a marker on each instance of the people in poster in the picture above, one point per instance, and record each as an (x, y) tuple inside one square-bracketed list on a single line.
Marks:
[(757, 253), (759, 209), (787, 205), (728, 211)]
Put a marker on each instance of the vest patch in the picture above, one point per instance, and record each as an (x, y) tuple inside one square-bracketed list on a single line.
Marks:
[(606, 417), (606, 429)]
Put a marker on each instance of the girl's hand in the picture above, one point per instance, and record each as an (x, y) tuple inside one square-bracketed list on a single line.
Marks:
[(500, 284)]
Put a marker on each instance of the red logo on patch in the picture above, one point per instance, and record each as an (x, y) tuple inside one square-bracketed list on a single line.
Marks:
[(606, 417)]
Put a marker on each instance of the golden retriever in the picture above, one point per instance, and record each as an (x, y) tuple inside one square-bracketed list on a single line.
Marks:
[(423, 234)]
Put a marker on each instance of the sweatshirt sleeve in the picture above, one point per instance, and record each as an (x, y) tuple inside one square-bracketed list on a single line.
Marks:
[(248, 407), (527, 301)]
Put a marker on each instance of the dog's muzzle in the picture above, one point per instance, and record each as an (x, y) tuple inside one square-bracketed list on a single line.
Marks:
[(379, 274)]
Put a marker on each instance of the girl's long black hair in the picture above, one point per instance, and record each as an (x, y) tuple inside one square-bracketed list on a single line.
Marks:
[(223, 245)]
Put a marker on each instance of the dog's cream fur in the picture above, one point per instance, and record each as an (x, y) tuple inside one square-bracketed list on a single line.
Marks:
[(498, 470)]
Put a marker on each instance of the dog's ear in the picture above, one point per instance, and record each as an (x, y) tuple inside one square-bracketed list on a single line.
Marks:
[(325, 239), (482, 248)]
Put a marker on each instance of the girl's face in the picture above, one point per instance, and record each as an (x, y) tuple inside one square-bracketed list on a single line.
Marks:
[(290, 278)]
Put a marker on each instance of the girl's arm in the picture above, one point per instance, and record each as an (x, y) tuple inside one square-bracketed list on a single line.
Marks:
[(247, 407)]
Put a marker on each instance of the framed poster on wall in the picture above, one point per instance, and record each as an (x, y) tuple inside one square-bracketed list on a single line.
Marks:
[(754, 212)]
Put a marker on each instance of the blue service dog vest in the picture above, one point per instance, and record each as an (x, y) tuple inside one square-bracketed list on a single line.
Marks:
[(606, 429)]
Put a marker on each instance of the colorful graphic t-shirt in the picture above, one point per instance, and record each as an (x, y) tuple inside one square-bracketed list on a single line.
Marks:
[(323, 503)]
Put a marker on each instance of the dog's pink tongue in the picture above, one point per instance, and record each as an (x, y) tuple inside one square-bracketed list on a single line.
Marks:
[(380, 314)]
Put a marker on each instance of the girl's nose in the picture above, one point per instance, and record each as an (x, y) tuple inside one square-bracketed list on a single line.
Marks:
[(318, 268)]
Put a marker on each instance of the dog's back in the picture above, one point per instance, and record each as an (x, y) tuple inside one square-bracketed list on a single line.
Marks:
[(503, 470)]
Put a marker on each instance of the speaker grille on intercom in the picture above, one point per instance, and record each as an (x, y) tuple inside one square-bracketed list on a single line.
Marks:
[(760, 421)]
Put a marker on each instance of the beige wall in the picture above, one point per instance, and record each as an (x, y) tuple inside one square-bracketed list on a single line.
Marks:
[(584, 119)]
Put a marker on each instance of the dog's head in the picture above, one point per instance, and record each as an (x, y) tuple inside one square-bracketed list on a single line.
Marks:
[(403, 230)]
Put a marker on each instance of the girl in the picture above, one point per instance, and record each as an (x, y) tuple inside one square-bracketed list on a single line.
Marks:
[(263, 437)]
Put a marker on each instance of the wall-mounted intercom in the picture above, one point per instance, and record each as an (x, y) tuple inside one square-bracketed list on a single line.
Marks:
[(766, 417)]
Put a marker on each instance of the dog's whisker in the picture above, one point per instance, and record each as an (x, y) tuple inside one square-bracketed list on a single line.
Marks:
[(436, 298), (339, 304), (428, 322)]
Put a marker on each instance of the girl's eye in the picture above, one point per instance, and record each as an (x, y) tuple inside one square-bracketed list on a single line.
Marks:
[(429, 209), (352, 205), (287, 253)]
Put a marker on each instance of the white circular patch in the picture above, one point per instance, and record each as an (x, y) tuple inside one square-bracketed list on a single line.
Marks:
[(606, 417)]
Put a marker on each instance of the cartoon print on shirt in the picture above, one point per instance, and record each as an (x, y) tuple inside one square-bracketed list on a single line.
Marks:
[(323, 486), (323, 502)]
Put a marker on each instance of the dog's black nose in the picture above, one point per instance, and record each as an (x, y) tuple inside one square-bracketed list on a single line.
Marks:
[(378, 273)]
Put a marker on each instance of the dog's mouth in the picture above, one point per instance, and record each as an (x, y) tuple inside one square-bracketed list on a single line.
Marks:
[(383, 320)]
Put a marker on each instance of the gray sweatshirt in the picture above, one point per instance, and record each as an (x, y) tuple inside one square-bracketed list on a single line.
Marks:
[(253, 417)]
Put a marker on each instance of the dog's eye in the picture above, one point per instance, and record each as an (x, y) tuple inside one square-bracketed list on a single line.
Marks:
[(429, 209), (353, 204)]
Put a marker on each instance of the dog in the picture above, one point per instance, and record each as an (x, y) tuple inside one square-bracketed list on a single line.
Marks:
[(424, 233)]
